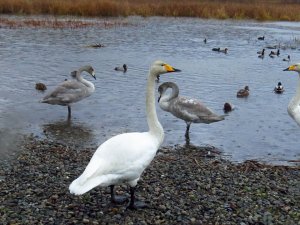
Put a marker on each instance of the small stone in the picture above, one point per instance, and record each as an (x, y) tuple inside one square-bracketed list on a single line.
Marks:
[(193, 220), (85, 220)]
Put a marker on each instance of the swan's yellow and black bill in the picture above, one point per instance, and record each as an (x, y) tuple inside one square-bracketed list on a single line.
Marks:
[(94, 75), (290, 68), (171, 69), (159, 97)]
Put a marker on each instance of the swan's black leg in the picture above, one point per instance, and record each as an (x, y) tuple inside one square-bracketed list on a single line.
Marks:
[(187, 135), (116, 199), (134, 204), (69, 112)]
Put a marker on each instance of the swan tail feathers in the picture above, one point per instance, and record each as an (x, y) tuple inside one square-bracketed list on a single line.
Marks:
[(78, 187), (90, 178)]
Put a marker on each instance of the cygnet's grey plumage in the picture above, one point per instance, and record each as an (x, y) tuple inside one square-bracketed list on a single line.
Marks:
[(188, 109), (71, 91)]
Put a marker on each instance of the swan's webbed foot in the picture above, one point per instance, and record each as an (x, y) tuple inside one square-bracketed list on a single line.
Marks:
[(116, 199), (134, 204), (119, 199), (137, 205)]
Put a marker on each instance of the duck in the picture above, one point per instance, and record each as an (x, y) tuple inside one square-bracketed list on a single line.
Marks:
[(96, 45), (275, 53), (261, 38), (123, 68), (262, 52), (157, 79), (216, 49), (225, 50), (188, 109), (124, 157), (278, 88), (294, 104), (228, 107), (71, 91), (271, 55), (243, 92), (40, 87), (287, 59)]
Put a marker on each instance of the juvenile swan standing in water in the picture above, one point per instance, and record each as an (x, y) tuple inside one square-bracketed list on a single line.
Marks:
[(71, 91), (124, 157), (188, 109), (294, 105)]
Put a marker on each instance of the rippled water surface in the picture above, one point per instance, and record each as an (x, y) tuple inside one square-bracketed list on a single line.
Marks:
[(259, 127)]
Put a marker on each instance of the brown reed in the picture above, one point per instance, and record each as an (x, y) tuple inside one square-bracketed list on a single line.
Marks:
[(234, 9), (57, 23)]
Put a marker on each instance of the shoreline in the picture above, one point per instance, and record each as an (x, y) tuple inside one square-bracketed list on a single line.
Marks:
[(181, 185)]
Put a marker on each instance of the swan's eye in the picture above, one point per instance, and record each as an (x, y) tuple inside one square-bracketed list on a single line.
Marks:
[(163, 64)]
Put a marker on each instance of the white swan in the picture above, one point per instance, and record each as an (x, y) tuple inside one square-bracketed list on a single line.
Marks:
[(71, 91), (294, 105), (124, 157), (188, 109)]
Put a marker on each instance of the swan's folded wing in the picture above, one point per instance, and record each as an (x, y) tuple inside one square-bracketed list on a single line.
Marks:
[(194, 110), (117, 160), (67, 92)]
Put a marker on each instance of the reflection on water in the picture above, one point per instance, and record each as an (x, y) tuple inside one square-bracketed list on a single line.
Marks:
[(258, 128), (69, 133), (10, 142)]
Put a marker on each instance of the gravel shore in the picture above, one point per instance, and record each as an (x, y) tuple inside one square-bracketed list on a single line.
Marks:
[(183, 185)]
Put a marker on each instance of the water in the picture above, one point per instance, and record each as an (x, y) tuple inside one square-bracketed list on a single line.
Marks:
[(259, 128)]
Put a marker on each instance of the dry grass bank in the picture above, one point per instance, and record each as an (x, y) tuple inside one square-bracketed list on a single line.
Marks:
[(258, 10)]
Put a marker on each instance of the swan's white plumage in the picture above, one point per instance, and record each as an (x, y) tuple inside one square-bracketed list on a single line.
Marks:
[(294, 111), (124, 157), (294, 105), (114, 162)]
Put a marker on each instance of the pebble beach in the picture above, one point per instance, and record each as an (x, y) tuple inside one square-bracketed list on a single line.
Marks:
[(182, 185)]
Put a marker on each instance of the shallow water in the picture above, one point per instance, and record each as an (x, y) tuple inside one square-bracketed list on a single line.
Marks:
[(259, 128)]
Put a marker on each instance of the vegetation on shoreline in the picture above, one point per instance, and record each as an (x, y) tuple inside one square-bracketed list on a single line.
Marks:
[(234, 9), (59, 23)]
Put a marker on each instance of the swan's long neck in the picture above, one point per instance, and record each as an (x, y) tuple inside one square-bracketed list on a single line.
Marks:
[(165, 100), (155, 128), (87, 83), (296, 99), (175, 91)]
